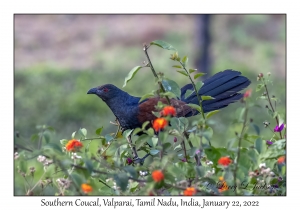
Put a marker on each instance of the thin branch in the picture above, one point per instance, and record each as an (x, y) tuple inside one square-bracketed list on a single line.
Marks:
[(277, 120), (154, 72), (239, 147), (92, 139), (115, 136), (194, 86), (128, 138)]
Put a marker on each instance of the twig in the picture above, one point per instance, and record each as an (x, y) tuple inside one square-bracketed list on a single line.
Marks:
[(154, 73), (194, 86), (239, 147), (92, 139), (277, 120), (132, 147), (67, 174), (115, 136), (40, 139)]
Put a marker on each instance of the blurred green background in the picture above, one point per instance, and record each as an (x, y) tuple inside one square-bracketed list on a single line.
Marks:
[(58, 58)]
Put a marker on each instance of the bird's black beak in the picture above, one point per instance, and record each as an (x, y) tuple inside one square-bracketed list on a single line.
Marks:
[(92, 91)]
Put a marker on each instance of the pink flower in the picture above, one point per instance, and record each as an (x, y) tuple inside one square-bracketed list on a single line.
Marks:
[(279, 129)]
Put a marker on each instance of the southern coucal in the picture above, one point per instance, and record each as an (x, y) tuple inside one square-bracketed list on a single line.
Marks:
[(223, 86)]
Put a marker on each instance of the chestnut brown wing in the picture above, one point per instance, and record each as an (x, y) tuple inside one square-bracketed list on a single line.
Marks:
[(146, 108)]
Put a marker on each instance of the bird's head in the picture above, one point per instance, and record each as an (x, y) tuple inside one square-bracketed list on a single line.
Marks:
[(106, 92)]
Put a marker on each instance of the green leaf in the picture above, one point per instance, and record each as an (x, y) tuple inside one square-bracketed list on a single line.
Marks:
[(154, 141), (121, 180), (147, 95), (192, 70), (150, 132), (188, 93), (23, 166), (199, 85), (137, 130), (145, 124), (259, 87), (171, 86), (63, 142), (154, 151), (204, 98), (228, 175), (200, 171), (131, 171), (182, 72), (213, 154), (127, 133), (99, 131), (210, 114), (275, 150), (52, 146), (89, 165), (77, 179), (46, 136), (192, 151), (169, 94), (177, 66), (131, 74), (256, 128), (163, 45), (258, 145), (195, 106), (108, 138), (184, 60), (73, 134), (199, 75), (208, 133), (34, 137), (83, 132)]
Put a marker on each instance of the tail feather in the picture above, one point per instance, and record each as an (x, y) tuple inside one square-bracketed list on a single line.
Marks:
[(223, 86)]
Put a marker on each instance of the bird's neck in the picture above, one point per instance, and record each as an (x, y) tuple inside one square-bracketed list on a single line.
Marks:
[(125, 108)]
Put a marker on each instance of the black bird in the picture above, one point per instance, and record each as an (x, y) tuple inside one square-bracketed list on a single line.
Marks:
[(223, 86)]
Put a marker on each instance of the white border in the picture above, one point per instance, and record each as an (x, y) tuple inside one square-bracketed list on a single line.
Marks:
[(8, 8)]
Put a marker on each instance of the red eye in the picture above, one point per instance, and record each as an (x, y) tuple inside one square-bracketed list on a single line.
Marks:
[(105, 89)]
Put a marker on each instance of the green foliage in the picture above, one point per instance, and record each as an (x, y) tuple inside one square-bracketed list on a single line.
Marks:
[(186, 151)]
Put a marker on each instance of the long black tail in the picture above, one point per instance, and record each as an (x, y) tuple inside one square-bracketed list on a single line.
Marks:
[(223, 86)]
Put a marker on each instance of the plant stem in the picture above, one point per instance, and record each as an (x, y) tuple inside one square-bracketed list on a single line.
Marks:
[(40, 139), (239, 147), (277, 120), (196, 91), (92, 139), (154, 73), (118, 129)]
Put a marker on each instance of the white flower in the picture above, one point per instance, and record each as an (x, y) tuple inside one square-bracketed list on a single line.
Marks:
[(41, 158), (262, 165), (209, 163), (74, 156), (143, 173)]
